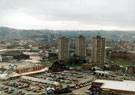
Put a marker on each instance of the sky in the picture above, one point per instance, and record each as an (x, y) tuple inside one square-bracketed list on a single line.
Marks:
[(68, 14)]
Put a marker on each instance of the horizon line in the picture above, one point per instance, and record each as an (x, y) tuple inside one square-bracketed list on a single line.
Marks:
[(65, 29)]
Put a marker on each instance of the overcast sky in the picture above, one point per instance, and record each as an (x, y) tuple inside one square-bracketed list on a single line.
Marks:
[(68, 14)]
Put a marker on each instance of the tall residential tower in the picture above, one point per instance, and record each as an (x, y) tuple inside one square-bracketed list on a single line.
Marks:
[(63, 48), (81, 46), (98, 50)]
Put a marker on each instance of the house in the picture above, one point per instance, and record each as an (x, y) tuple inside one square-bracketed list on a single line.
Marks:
[(114, 67), (86, 66)]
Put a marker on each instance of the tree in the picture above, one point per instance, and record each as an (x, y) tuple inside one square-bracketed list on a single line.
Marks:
[(2, 69)]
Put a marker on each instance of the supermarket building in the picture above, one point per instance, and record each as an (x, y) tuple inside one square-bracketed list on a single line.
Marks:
[(113, 87)]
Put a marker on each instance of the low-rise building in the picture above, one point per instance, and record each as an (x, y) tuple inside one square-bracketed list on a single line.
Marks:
[(86, 66), (113, 87), (15, 55), (122, 54), (33, 55), (57, 66)]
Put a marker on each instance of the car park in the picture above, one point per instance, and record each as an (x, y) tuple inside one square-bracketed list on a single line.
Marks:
[(27, 86), (28, 89), (20, 93), (20, 87), (10, 91)]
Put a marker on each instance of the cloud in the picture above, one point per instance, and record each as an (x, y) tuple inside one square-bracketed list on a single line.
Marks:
[(68, 14)]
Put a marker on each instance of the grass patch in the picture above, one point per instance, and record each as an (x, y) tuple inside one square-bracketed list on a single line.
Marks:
[(73, 65), (122, 62), (108, 58), (48, 61)]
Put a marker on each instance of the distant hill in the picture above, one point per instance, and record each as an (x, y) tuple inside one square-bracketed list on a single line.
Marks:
[(11, 34)]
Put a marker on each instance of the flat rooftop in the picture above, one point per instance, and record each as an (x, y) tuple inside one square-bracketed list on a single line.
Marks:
[(101, 72), (39, 80), (125, 85)]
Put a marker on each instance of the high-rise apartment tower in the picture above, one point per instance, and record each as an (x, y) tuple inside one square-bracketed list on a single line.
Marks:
[(81, 46), (63, 48), (98, 49)]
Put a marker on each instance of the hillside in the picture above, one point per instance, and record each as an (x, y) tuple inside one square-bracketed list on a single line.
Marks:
[(11, 34)]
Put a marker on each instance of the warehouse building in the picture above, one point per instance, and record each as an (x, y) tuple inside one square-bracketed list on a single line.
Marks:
[(115, 87)]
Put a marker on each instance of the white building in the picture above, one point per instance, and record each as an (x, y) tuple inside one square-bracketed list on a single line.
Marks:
[(115, 87), (33, 55)]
